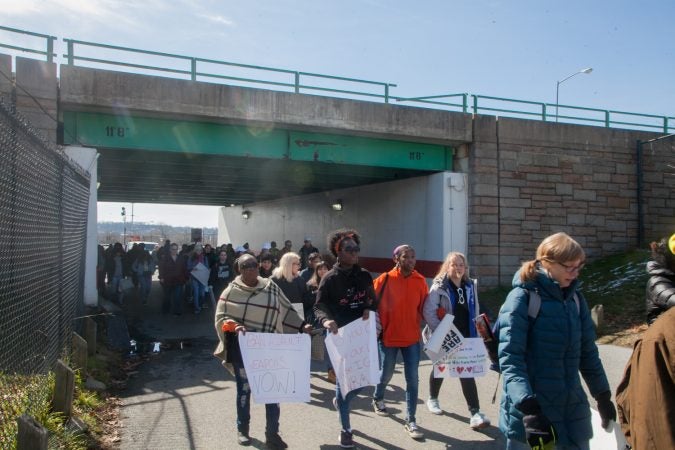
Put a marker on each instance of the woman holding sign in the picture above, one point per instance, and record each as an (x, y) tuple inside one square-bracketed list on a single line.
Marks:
[(541, 354), (256, 304), (345, 294), (453, 292)]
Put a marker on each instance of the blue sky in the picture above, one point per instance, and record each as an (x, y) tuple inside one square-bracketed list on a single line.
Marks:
[(516, 49)]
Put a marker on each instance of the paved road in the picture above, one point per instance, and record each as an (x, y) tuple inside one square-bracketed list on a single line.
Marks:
[(182, 398)]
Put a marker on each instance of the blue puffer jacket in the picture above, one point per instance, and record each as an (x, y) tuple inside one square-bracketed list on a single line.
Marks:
[(542, 358)]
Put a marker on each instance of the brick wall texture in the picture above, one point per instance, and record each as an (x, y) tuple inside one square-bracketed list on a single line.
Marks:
[(529, 179)]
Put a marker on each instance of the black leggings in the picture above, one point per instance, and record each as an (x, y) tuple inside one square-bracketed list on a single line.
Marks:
[(468, 389)]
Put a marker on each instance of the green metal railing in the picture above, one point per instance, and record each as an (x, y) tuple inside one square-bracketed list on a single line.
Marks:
[(194, 71), (49, 52), (607, 118), (300, 82), (434, 100)]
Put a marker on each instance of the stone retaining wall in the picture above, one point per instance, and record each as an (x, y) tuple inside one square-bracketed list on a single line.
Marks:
[(530, 179)]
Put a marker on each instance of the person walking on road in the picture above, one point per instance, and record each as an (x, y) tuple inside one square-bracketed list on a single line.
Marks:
[(453, 292), (543, 402), (345, 294), (256, 304), (401, 293), (645, 398), (172, 277)]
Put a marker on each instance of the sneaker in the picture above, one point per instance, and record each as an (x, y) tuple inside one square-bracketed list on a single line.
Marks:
[(379, 408), (242, 438), (434, 407), (413, 430), (274, 442), (331, 376), (346, 439), (479, 421)]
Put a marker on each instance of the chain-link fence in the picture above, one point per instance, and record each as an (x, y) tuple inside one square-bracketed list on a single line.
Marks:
[(43, 219)]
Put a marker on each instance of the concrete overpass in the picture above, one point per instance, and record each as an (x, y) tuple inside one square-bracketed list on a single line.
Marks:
[(164, 140), (491, 187)]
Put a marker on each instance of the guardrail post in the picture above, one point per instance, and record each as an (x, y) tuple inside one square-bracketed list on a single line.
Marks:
[(71, 51), (64, 389), (465, 102), (475, 104), (297, 82), (32, 435), (193, 69), (665, 124), (79, 352), (50, 49), (607, 122), (386, 93), (543, 112)]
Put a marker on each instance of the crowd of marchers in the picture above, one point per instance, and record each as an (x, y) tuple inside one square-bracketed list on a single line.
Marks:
[(542, 352), (542, 355)]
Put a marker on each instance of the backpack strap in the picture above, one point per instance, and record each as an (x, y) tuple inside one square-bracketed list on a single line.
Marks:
[(534, 304)]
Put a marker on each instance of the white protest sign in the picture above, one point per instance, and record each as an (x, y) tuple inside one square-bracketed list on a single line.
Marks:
[(277, 366), (444, 341), (470, 361), (201, 273), (354, 354), (603, 439)]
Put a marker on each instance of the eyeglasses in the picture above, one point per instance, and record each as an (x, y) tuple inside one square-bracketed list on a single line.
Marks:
[(248, 265), (460, 294), (351, 249), (571, 269)]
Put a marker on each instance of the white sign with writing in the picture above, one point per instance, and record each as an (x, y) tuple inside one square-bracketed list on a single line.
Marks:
[(611, 438), (201, 273), (354, 354), (444, 341), (277, 366), (470, 361)]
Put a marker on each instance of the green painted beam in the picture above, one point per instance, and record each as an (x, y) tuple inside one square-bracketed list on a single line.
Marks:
[(357, 150), (153, 134), (144, 133)]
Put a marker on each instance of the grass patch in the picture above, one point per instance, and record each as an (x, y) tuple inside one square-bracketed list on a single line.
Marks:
[(618, 283), (32, 395)]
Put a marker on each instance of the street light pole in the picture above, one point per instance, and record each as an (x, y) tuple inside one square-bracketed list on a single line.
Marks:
[(124, 233), (557, 87)]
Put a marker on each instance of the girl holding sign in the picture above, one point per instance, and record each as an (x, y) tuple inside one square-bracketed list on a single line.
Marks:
[(256, 304), (453, 292), (345, 294)]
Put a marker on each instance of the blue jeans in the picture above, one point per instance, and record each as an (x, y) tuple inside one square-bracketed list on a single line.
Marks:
[(512, 444), (411, 361), (272, 410), (198, 291), (115, 292), (343, 405), (145, 283), (173, 296)]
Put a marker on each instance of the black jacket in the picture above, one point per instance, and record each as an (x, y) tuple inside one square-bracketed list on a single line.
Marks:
[(660, 290), (344, 294)]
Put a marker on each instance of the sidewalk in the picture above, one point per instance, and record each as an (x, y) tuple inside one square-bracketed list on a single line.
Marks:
[(182, 398)]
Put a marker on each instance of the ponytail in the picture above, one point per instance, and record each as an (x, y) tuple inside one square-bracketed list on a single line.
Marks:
[(528, 270)]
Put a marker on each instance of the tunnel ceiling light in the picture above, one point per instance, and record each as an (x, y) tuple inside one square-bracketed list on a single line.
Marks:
[(337, 205)]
